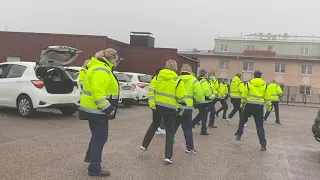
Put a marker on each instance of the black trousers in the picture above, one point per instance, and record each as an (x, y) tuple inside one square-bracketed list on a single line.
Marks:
[(169, 121), (186, 123), (257, 112), (201, 116), (275, 104), (99, 131), (224, 108), (236, 102)]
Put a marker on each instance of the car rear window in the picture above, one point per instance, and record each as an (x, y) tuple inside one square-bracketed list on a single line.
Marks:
[(144, 78), (122, 77), (73, 73)]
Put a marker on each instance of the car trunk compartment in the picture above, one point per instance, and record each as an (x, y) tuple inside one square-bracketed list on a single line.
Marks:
[(55, 80)]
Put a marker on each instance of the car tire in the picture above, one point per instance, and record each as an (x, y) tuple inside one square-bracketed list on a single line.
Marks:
[(127, 102), (69, 111), (25, 106)]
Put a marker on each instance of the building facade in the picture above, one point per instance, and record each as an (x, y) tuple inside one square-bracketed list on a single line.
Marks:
[(293, 61), (21, 46)]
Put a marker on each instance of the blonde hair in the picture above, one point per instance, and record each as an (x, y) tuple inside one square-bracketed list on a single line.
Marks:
[(172, 65), (86, 62), (273, 81), (186, 68), (108, 54)]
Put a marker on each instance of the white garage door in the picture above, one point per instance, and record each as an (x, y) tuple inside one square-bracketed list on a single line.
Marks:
[(13, 59)]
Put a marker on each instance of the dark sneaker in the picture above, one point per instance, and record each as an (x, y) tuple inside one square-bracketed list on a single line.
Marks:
[(102, 173), (191, 151), (263, 148), (168, 161), (87, 160), (204, 133), (238, 138), (213, 126), (278, 123)]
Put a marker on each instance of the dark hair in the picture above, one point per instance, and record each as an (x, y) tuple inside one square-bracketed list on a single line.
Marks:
[(158, 70)]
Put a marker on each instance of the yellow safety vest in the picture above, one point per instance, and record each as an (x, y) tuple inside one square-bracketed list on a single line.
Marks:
[(236, 88), (82, 74), (275, 91), (207, 89), (223, 91), (215, 86), (100, 88), (256, 92), (168, 90)]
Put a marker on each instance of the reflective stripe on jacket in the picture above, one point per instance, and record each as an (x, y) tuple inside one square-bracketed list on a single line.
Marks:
[(207, 88), (169, 90), (100, 88), (275, 91), (236, 87), (223, 91), (194, 92), (256, 92), (82, 75)]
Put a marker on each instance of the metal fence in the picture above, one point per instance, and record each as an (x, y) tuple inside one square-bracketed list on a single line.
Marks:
[(295, 95)]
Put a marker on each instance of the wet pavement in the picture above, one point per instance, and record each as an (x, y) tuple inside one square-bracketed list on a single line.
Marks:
[(52, 147)]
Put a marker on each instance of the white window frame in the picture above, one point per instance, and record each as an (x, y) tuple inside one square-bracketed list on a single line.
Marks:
[(248, 69), (224, 48), (305, 51), (272, 48), (308, 67), (225, 65), (280, 67), (305, 89), (250, 47)]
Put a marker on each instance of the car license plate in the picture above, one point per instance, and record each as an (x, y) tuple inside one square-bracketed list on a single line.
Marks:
[(126, 88)]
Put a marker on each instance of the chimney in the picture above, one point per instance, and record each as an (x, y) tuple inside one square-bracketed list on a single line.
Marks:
[(141, 39)]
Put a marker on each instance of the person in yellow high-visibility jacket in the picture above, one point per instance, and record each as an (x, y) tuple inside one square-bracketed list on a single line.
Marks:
[(82, 73), (222, 98), (253, 98), (169, 92), (236, 88), (275, 92), (215, 86)]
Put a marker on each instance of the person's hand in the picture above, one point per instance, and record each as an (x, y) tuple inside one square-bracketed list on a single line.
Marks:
[(109, 110), (153, 108), (224, 96), (242, 105), (269, 109)]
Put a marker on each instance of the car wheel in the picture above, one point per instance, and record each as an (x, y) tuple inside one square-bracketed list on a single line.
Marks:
[(24, 106), (68, 111), (127, 102)]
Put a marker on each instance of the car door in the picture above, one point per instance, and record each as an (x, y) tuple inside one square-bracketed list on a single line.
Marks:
[(13, 84), (4, 68)]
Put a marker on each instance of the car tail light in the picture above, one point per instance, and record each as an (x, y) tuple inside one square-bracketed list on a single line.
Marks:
[(38, 84), (142, 85), (120, 83)]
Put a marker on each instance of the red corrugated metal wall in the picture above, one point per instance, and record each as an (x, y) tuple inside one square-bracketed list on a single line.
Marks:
[(27, 46)]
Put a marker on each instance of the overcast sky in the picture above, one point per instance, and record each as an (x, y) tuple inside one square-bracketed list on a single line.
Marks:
[(182, 24)]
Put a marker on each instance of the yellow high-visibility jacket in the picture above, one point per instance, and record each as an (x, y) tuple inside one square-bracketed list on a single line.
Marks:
[(207, 89), (236, 88), (168, 90), (215, 86), (194, 93), (223, 91), (82, 74), (275, 91), (256, 92), (100, 91)]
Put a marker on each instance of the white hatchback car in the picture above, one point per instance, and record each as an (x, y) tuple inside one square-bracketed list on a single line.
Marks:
[(29, 85), (128, 93), (142, 82)]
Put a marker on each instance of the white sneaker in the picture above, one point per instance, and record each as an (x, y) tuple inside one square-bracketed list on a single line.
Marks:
[(160, 131), (245, 125), (143, 148), (227, 119), (168, 161)]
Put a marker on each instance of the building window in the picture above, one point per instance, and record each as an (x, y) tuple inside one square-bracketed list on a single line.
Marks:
[(270, 48), (280, 68), (305, 90), (224, 65), (248, 66), (305, 51), (250, 47), (224, 48), (306, 70)]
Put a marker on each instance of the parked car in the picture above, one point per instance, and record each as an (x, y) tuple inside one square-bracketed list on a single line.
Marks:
[(28, 86), (316, 127), (128, 93), (142, 82)]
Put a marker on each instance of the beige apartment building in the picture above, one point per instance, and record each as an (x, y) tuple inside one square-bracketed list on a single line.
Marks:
[(290, 60)]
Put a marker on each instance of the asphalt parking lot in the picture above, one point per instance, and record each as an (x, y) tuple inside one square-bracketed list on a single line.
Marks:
[(52, 147)]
